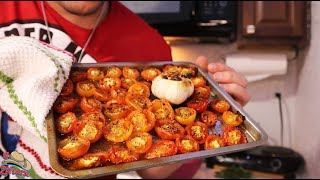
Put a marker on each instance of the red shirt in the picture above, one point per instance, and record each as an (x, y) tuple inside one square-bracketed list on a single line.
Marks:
[(121, 36)]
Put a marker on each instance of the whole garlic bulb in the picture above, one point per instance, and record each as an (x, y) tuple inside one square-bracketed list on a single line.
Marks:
[(174, 89)]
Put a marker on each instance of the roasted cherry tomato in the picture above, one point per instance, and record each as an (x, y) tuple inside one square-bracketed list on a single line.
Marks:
[(102, 95), (87, 161), (139, 88), (139, 142), (198, 104), (168, 129), (104, 157), (171, 69), (161, 148), (129, 72), (90, 104), (201, 92), (77, 76), (138, 101), (120, 154), (64, 104), (214, 141), (85, 88), (66, 122), (95, 74), (220, 105), (113, 71), (67, 88), (198, 131), (73, 147), (187, 144), (127, 82), (116, 110), (93, 116), (150, 73), (118, 94), (91, 130), (147, 83), (118, 130), (198, 81), (231, 118), (162, 109), (209, 118), (185, 115), (232, 135), (187, 72), (110, 82), (142, 120)]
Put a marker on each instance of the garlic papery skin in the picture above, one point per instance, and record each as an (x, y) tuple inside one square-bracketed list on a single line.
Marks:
[(175, 91)]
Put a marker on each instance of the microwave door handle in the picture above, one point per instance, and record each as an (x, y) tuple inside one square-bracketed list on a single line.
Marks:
[(213, 23)]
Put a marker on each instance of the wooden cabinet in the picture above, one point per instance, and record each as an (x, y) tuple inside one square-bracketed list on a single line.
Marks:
[(273, 23)]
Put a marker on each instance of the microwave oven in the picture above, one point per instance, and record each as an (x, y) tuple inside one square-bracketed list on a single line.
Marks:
[(202, 19)]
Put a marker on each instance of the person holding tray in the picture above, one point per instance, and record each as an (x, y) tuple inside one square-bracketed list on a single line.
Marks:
[(96, 31)]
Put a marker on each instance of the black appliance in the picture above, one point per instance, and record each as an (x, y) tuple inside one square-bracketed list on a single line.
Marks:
[(271, 159), (189, 18)]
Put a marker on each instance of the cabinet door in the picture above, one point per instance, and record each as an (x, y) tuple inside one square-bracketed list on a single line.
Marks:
[(273, 18)]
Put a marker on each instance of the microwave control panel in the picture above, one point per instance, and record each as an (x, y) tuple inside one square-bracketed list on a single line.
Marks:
[(215, 10)]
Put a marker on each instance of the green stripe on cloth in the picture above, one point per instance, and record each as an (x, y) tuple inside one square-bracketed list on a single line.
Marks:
[(4, 78), (12, 94)]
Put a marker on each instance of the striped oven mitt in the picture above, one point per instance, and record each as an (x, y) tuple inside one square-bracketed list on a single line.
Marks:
[(32, 75)]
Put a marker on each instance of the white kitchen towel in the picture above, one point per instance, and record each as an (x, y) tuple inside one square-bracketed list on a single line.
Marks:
[(32, 74)]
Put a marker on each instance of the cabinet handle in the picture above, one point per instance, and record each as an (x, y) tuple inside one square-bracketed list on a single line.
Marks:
[(251, 29)]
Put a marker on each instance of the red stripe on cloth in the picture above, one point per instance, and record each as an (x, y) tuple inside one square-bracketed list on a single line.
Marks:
[(37, 157)]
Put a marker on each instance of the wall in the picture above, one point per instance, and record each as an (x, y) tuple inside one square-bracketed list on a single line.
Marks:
[(307, 124)]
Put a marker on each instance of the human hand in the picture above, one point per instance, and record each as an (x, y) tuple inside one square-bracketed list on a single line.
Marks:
[(232, 82)]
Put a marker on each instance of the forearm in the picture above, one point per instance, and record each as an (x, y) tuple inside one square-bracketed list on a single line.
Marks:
[(160, 172)]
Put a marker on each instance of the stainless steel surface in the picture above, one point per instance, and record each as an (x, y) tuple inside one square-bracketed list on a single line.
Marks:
[(213, 23), (255, 134)]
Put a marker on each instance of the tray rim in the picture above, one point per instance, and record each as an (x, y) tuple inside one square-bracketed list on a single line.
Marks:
[(143, 164)]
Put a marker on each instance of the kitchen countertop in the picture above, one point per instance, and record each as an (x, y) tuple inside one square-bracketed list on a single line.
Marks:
[(209, 173)]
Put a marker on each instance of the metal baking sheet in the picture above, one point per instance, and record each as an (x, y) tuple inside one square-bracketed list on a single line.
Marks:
[(256, 136)]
